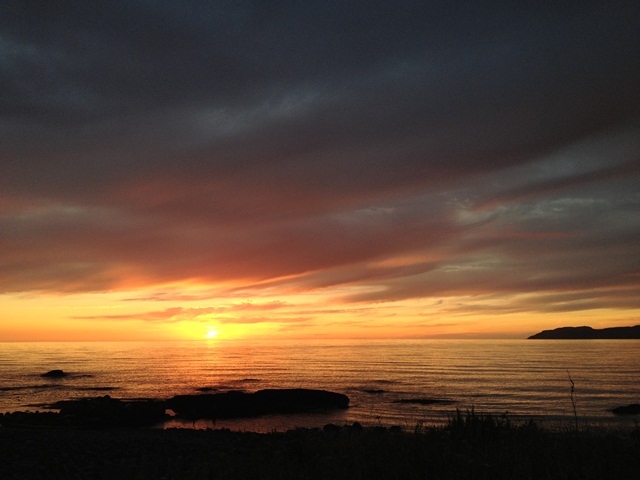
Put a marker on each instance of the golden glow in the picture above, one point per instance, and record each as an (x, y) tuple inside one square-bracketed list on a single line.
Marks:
[(201, 314), (212, 332)]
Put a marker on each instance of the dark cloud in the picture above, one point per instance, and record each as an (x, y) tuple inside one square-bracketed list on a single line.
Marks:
[(419, 149)]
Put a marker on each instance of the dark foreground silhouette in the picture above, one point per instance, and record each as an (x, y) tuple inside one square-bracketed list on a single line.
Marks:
[(471, 446), (588, 333)]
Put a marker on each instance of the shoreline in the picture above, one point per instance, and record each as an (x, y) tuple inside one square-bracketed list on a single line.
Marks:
[(108, 412), (470, 446), (281, 423)]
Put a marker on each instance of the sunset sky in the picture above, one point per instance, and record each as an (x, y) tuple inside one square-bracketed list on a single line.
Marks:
[(312, 169)]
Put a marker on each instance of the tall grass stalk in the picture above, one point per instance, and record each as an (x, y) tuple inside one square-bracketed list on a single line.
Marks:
[(573, 400)]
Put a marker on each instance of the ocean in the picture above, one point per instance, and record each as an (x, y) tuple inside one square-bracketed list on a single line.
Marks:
[(384, 379)]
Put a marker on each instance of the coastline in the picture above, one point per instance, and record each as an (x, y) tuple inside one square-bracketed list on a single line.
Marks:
[(470, 446)]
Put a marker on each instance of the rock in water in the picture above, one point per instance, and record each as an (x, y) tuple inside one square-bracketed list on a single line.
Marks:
[(54, 374), (110, 412), (242, 405), (633, 409)]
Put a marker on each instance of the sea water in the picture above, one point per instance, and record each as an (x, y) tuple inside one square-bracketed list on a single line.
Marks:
[(386, 380)]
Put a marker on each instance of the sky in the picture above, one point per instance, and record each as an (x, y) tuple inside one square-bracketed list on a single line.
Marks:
[(317, 169)]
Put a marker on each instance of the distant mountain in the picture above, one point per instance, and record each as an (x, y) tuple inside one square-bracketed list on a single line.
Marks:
[(588, 333)]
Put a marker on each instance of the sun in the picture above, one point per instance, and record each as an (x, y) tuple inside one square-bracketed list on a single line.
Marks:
[(212, 332)]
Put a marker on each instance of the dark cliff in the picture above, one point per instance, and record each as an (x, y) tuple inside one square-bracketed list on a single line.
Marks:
[(588, 333)]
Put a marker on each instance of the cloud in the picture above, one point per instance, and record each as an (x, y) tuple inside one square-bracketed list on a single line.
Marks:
[(168, 315), (239, 313), (407, 151)]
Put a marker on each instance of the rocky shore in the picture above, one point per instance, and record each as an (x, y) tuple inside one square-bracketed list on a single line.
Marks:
[(108, 438), (105, 411), (471, 446)]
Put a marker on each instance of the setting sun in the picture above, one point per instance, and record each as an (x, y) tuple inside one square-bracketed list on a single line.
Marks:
[(212, 332)]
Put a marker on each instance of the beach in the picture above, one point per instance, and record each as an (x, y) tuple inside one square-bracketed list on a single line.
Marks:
[(470, 446)]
